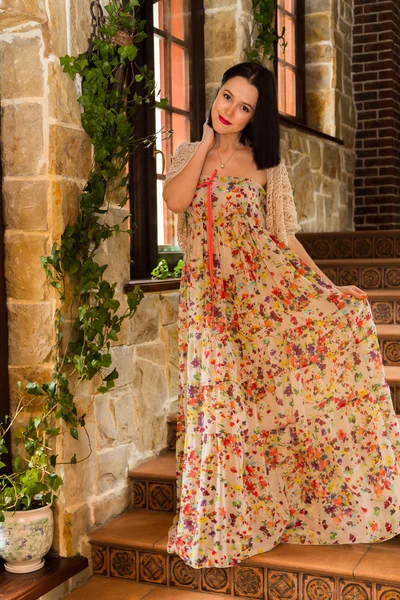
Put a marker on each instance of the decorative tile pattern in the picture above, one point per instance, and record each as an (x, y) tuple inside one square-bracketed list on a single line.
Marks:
[(171, 436), (370, 278), (322, 249), (391, 352), (348, 276), (342, 248), (282, 585), (249, 582), (161, 496), (396, 399), (398, 312), (316, 587), (99, 560), (384, 248), (123, 563), (139, 494), (363, 248), (351, 590), (183, 575), (331, 274), (383, 312), (392, 277), (387, 592), (216, 580), (153, 567)]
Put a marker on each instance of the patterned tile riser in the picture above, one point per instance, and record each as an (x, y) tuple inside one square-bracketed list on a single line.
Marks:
[(243, 581), (352, 247), (386, 312), (367, 278), (153, 495)]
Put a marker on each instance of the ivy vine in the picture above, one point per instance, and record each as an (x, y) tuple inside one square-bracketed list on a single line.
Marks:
[(264, 12), (109, 101)]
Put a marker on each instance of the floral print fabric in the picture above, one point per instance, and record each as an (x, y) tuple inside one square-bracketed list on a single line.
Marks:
[(286, 429)]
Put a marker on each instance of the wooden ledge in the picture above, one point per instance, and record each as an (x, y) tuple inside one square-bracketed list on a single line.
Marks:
[(30, 586)]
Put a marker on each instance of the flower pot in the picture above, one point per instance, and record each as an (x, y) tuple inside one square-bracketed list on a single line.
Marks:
[(25, 538)]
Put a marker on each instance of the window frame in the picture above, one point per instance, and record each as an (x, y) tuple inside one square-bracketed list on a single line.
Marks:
[(142, 183), (301, 113)]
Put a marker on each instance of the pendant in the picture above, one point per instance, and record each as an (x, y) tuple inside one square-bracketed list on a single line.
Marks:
[(222, 166)]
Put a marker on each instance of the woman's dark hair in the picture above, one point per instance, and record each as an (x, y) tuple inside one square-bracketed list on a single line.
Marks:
[(262, 132)]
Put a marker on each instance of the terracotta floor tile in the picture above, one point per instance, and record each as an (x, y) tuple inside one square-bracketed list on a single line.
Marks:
[(381, 563), (161, 468), (134, 528), (335, 560), (104, 588)]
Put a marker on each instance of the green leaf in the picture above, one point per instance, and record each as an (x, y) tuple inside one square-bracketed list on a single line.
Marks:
[(74, 432), (34, 389), (129, 52)]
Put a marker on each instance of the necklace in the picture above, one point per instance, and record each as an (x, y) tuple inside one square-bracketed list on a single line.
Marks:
[(223, 164)]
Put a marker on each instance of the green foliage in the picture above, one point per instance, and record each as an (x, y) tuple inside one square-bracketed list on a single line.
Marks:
[(264, 15), (161, 271), (108, 105)]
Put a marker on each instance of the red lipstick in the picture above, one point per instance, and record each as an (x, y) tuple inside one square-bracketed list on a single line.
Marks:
[(224, 121)]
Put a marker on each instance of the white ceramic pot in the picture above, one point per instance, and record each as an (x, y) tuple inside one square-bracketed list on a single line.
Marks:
[(25, 538)]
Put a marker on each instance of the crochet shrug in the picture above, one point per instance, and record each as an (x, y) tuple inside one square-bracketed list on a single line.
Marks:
[(281, 215)]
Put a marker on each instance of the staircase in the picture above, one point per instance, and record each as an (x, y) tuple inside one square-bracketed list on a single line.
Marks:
[(130, 559)]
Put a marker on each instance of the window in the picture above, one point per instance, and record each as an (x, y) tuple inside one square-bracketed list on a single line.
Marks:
[(174, 51), (289, 61)]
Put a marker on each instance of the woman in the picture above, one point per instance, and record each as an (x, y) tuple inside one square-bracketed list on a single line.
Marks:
[(286, 428)]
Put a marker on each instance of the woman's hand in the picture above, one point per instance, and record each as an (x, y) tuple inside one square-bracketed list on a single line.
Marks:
[(351, 290), (208, 138)]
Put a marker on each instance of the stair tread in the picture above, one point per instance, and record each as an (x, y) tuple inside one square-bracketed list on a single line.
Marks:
[(383, 294), (149, 530), (388, 329), (358, 262), (160, 467), (102, 588), (392, 373)]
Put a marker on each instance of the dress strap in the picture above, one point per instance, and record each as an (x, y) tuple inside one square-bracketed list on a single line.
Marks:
[(208, 183)]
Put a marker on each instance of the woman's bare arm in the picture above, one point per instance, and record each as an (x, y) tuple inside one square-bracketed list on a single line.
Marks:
[(179, 191)]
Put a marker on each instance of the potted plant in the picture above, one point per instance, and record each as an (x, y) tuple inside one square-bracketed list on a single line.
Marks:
[(27, 494)]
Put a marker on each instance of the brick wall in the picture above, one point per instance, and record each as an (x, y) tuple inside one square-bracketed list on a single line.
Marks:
[(376, 77)]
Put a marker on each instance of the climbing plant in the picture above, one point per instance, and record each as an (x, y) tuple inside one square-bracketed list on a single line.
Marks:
[(264, 12), (109, 98)]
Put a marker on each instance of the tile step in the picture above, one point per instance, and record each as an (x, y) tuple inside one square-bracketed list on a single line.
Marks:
[(134, 546), (100, 588)]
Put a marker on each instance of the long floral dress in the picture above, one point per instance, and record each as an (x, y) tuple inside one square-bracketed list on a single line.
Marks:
[(286, 429)]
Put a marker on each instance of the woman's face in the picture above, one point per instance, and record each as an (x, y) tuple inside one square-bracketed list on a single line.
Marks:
[(236, 103)]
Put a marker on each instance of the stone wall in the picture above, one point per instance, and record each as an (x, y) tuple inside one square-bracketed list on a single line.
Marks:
[(47, 157), (321, 170)]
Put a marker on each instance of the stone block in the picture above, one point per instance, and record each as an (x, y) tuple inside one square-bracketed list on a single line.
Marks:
[(22, 135), (150, 394), (21, 68), (319, 53), (169, 308), (154, 352), (81, 476), (145, 323), (111, 504), (331, 161), (26, 205), (319, 77), (76, 523), (312, 6), (112, 468), (317, 28), (24, 10), (58, 28), (63, 104), (304, 189), (220, 33), (30, 332), (114, 418), (25, 276), (65, 205), (215, 68), (39, 373), (80, 26), (69, 152)]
